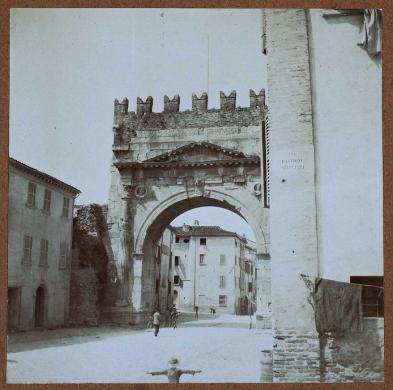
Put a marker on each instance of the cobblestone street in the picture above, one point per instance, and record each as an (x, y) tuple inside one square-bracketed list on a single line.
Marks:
[(223, 348)]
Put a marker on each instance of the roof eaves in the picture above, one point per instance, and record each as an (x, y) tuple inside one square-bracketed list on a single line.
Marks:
[(43, 176)]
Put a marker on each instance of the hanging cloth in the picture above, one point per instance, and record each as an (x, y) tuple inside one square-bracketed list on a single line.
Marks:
[(371, 33), (338, 306)]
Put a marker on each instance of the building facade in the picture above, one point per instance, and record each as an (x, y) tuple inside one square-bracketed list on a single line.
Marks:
[(164, 271), (39, 247), (208, 267), (325, 176)]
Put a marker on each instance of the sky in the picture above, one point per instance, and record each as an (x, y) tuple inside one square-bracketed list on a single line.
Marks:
[(68, 66), (217, 217)]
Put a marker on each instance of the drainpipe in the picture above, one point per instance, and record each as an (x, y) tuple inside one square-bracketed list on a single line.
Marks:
[(194, 239)]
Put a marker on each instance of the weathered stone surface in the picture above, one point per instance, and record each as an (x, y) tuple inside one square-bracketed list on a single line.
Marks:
[(354, 357), (92, 278), (167, 163)]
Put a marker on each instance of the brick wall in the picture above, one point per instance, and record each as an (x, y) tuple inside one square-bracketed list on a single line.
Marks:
[(296, 356), (292, 196)]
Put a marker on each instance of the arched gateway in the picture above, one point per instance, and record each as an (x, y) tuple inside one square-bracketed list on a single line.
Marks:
[(167, 163)]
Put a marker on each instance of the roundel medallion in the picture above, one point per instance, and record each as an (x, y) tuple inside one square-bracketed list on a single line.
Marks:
[(140, 191)]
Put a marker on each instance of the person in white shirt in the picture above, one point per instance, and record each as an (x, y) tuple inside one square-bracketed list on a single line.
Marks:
[(173, 372), (156, 322)]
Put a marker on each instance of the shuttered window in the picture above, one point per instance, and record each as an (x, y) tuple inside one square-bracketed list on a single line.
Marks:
[(47, 200), (66, 207), (44, 253), (27, 249), (31, 191)]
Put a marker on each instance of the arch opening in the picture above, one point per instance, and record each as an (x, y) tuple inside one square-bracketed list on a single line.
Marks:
[(177, 269), (159, 218)]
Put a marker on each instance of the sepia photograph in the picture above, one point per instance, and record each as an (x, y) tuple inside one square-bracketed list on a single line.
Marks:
[(195, 196)]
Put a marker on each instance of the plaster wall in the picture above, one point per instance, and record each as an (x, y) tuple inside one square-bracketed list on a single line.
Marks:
[(347, 116), (32, 221)]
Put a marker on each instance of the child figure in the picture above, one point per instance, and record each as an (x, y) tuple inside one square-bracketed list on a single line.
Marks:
[(173, 372)]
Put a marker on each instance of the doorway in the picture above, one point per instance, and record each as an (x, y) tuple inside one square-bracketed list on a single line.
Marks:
[(39, 314), (13, 308)]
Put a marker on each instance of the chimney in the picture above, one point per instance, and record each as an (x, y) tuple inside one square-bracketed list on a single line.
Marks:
[(185, 228)]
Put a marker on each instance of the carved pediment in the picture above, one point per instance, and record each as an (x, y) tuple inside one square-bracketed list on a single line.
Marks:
[(198, 152), (193, 155)]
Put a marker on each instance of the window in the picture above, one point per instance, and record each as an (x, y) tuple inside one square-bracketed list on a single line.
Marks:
[(222, 300), (222, 260), (169, 287), (222, 281), (176, 279), (32, 188), (170, 260), (157, 285), (177, 239), (186, 240), (235, 282), (202, 259), (44, 253), (250, 287), (202, 241), (256, 273), (372, 295), (27, 249), (66, 207), (177, 260), (63, 255), (47, 199), (235, 259)]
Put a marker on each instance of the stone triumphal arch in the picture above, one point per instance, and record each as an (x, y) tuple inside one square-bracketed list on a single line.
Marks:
[(167, 163)]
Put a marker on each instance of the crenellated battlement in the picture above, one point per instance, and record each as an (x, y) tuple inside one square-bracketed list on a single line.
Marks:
[(199, 104), (171, 105), (121, 108), (143, 107), (128, 124), (257, 100), (228, 103)]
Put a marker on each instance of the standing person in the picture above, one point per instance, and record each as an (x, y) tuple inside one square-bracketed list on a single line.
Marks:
[(196, 312), (174, 315), (156, 322), (150, 321), (170, 311), (169, 317), (173, 372)]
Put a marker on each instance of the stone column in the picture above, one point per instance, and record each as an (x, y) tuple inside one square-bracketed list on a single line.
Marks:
[(136, 290), (292, 198), (263, 287), (123, 257)]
